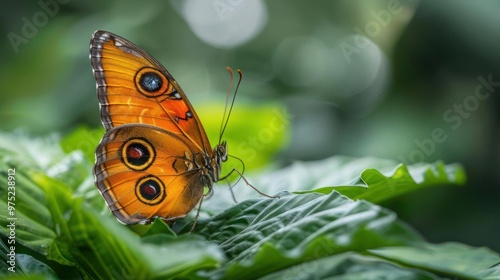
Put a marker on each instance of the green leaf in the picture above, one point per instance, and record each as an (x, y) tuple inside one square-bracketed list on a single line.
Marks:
[(349, 266), (266, 235), (492, 273), (375, 186), (32, 220), (83, 139), (371, 179), (13, 263), (451, 259), (60, 203), (19, 151), (30, 265), (104, 249), (298, 177), (61, 215)]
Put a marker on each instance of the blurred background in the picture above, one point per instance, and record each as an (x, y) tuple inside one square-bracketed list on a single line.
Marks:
[(406, 80)]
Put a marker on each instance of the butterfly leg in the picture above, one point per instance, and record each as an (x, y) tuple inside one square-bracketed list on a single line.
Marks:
[(197, 215), (248, 183)]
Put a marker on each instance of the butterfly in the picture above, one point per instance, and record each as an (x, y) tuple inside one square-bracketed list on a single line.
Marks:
[(154, 160)]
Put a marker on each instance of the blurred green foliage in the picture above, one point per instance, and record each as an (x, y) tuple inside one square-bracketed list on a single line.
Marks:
[(406, 90)]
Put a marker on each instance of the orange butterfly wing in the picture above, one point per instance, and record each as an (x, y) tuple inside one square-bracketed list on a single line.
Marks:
[(119, 68), (145, 172), (155, 157)]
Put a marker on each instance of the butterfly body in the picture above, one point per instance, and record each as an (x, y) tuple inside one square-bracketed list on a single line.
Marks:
[(155, 158)]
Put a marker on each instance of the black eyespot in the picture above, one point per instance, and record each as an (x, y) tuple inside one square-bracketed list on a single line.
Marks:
[(153, 83), (137, 154), (150, 82), (150, 190)]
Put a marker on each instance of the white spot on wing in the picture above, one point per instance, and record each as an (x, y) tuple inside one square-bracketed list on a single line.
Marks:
[(104, 37)]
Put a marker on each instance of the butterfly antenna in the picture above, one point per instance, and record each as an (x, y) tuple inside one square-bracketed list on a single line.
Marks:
[(224, 119), (231, 78)]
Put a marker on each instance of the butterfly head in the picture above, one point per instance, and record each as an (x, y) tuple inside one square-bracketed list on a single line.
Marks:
[(219, 156), (220, 151)]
